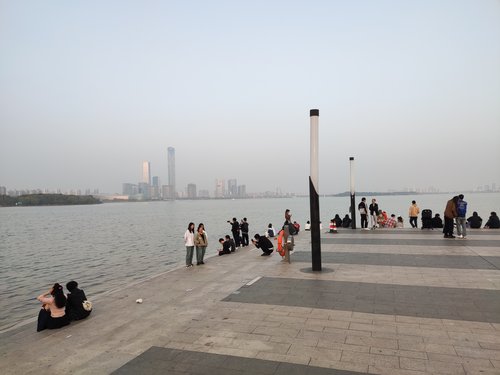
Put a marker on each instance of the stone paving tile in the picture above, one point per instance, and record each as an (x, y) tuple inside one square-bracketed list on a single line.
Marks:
[(371, 359), (406, 260), (393, 371), (431, 366), (415, 301)]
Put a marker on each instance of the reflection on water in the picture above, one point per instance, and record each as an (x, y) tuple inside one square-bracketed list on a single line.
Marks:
[(105, 246)]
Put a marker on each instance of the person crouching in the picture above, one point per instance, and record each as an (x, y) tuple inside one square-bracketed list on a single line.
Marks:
[(264, 244)]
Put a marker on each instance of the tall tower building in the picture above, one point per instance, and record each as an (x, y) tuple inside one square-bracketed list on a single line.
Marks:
[(219, 188), (191, 191), (146, 172), (171, 171), (232, 187)]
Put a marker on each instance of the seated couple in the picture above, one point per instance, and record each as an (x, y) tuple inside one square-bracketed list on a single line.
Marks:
[(58, 310), (228, 245)]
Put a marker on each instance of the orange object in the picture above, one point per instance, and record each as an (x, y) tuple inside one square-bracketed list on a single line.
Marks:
[(333, 227), (281, 248)]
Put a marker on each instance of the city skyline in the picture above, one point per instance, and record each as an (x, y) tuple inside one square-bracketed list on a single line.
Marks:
[(410, 90)]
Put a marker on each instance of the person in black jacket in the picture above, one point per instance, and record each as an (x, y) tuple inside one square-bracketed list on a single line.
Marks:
[(493, 221), (346, 222), (338, 221), (226, 246), (244, 232), (373, 213), (74, 304), (264, 244), (436, 221), (475, 221), (235, 229)]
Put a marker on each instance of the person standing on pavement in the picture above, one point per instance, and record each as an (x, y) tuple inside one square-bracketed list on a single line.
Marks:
[(450, 213), (244, 232), (363, 211), (201, 243), (413, 213), (373, 213), (461, 217), (189, 242), (235, 230)]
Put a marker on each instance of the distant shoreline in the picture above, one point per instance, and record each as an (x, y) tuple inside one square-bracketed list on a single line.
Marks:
[(30, 200)]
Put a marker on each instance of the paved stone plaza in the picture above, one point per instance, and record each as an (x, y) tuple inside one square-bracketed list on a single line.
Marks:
[(397, 302)]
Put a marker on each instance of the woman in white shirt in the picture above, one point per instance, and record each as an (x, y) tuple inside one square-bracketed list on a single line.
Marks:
[(189, 242)]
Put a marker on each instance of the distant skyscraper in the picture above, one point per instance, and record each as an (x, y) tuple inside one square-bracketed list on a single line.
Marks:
[(191, 191), (129, 189), (242, 191), (146, 172), (203, 193), (171, 171), (155, 188), (219, 188), (232, 188)]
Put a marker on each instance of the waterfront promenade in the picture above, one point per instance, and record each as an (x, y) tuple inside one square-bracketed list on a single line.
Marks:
[(387, 302)]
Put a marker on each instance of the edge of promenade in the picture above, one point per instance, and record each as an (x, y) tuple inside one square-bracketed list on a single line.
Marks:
[(184, 309)]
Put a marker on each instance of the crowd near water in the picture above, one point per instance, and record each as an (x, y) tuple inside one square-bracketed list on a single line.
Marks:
[(106, 246)]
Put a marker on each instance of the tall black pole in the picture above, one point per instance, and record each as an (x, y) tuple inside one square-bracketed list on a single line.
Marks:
[(353, 197), (313, 193)]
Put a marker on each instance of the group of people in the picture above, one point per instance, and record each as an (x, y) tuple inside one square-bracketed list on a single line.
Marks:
[(58, 310), (341, 223), (455, 213), (198, 240), (380, 218), (239, 231)]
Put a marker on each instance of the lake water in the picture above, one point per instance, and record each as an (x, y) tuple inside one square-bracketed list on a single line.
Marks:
[(107, 246)]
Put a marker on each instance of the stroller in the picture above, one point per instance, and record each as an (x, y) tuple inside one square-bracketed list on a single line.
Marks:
[(427, 219)]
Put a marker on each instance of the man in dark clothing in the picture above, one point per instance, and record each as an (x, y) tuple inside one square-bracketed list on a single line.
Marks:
[(363, 211), (264, 244), (235, 230), (244, 232), (373, 213), (230, 243), (74, 302), (450, 213), (226, 246), (493, 221), (437, 222), (346, 222), (475, 221)]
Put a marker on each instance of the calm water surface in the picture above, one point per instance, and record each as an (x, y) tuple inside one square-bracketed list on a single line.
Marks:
[(106, 246)]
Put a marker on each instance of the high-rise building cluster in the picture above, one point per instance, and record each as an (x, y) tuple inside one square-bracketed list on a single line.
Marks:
[(149, 188), (233, 189)]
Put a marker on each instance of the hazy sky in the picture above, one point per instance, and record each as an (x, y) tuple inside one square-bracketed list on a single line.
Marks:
[(91, 89)]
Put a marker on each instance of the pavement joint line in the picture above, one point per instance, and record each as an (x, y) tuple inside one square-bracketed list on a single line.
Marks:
[(253, 281)]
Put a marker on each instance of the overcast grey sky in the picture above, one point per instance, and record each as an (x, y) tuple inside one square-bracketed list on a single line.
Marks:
[(90, 89)]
